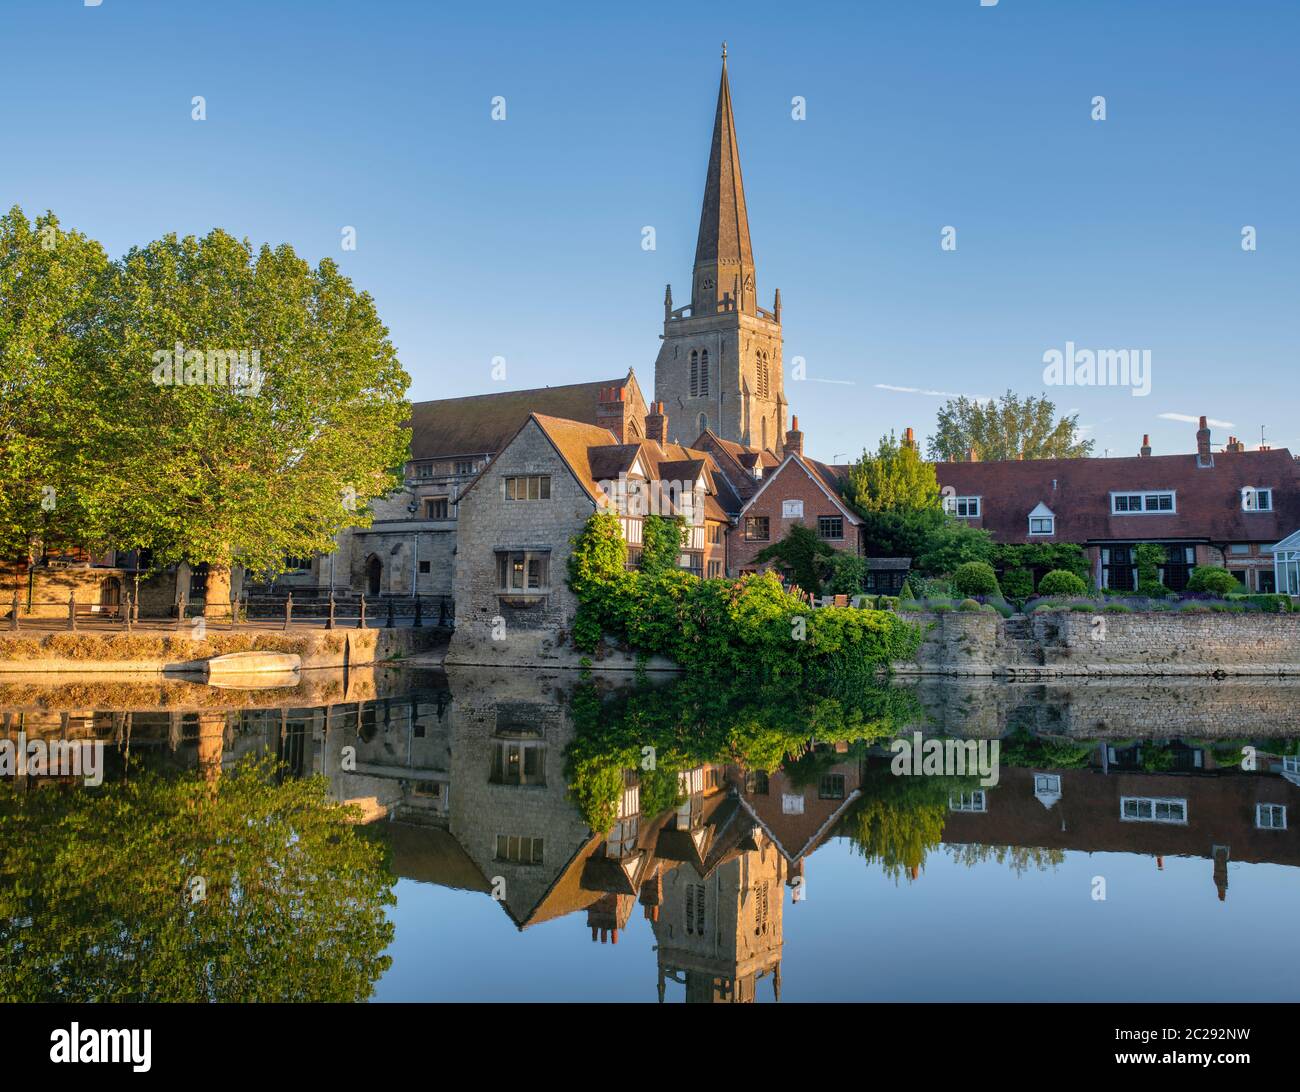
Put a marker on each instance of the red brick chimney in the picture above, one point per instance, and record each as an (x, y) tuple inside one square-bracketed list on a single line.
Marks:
[(1146, 446), (614, 413), (1234, 446), (656, 423), (909, 437), (794, 438), (1203, 442), (972, 456)]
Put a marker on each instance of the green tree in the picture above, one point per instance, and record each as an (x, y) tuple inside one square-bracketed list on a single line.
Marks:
[(98, 902), (894, 479), (1009, 427), (51, 281), (255, 461), (802, 555)]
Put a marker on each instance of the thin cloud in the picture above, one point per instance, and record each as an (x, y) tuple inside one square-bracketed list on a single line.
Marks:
[(1188, 419), (932, 394), (841, 382)]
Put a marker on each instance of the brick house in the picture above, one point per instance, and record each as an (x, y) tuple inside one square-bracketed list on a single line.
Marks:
[(800, 490), (1209, 508)]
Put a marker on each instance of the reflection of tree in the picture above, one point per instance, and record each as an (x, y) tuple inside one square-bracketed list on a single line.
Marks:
[(1020, 858), (688, 724), (900, 819), (1025, 750), (97, 892)]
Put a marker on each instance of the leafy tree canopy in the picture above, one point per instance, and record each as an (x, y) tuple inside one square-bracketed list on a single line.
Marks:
[(1009, 427), (894, 479)]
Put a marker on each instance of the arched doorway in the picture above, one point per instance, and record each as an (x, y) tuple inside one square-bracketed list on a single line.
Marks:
[(374, 575)]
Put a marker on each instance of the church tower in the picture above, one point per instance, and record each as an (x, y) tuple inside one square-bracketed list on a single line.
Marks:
[(720, 363)]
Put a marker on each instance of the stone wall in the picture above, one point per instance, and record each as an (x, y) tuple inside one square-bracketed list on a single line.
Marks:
[(1051, 643)]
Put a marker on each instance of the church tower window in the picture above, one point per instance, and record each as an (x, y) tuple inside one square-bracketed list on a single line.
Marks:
[(763, 386), (695, 373), (704, 371)]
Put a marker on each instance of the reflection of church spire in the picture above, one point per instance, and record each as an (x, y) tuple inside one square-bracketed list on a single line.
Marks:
[(1220, 855)]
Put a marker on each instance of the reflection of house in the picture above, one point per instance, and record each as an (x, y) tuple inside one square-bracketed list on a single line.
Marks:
[(798, 816), (1236, 816)]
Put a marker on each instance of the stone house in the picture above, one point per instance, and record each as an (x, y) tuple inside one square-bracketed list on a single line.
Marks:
[(518, 515)]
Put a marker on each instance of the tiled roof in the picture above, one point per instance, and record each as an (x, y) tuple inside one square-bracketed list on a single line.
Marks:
[(1208, 499), (482, 424)]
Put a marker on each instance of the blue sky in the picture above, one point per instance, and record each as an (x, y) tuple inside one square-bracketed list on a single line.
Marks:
[(521, 239)]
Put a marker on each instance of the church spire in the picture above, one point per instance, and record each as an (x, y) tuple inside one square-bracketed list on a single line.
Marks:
[(724, 260)]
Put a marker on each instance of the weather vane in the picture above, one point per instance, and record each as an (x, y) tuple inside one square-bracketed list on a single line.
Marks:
[(724, 51)]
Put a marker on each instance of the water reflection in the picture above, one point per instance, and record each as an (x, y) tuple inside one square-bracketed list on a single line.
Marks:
[(701, 814)]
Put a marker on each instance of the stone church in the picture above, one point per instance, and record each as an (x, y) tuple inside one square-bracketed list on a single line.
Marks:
[(719, 368)]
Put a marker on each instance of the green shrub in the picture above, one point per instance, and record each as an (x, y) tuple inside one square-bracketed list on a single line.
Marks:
[(1149, 556), (975, 578), (1212, 579), (1117, 608), (1083, 608), (1060, 582), (937, 588), (1194, 607), (888, 602), (1274, 604), (906, 592), (1018, 584), (969, 604), (1151, 589)]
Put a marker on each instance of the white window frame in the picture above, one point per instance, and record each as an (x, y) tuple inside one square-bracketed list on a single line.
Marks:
[(792, 509), (1153, 802), (1051, 526), (954, 505), (1259, 811), (975, 802), (1257, 491), (1146, 495), (1049, 783)]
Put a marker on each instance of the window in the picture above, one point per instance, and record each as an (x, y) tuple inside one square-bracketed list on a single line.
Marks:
[(532, 487), (760, 909), (424, 567), (695, 909), (1254, 499), (1152, 809), (764, 386), (1047, 783), (425, 470), (965, 507), (831, 787), (695, 373), (792, 509), (715, 569), (519, 849), (715, 534), (1042, 525), (297, 564), (523, 571), (465, 467), (704, 372), (1131, 503), (830, 526), (969, 801), (435, 508), (791, 803), (1239, 548), (1270, 816), (756, 528), (518, 762)]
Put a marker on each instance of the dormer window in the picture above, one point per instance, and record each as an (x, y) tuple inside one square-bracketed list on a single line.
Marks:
[(962, 507), (1042, 521), (1256, 499), (1125, 504)]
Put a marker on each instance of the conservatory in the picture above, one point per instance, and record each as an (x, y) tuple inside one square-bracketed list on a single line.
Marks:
[(1286, 564)]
